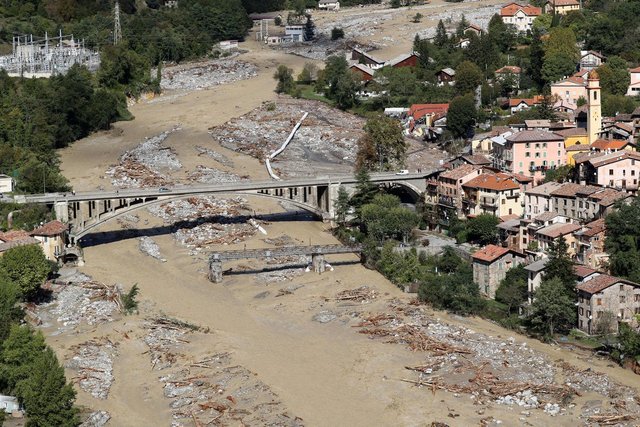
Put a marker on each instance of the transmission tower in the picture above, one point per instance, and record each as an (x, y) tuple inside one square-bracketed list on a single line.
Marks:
[(117, 31)]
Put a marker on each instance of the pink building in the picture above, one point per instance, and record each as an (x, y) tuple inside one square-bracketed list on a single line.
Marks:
[(619, 169), (530, 153), (570, 89), (634, 84), (450, 191)]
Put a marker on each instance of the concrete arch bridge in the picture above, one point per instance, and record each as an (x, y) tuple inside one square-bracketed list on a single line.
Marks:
[(84, 211)]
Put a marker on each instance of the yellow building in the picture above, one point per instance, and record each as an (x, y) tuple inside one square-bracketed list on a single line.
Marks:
[(497, 195), (576, 141)]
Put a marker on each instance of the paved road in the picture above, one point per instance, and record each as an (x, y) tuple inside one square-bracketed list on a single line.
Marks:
[(209, 188)]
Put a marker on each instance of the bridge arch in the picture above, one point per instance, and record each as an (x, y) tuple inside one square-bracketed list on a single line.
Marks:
[(407, 192), (145, 204)]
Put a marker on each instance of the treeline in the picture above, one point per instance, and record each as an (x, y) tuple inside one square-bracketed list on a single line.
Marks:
[(38, 116), (29, 369)]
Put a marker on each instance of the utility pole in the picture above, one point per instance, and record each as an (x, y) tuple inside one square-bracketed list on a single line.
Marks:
[(117, 31)]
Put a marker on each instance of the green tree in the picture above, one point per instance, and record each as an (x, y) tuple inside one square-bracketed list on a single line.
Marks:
[(468, 77), (365, 190), (441, 39), (308, 73), (623, 241), (513, 289), (417, 18), (614, 76), (345, 93), (560, 266), (629, 340), (536, 58), (509, 82), (284, 76), (337, 33), (562, 41), (19, 352), (542, 23), (10, 313), (500, 34), (383, 146), (461, 116), (309, 29), (47, 397), (335, 69), (26, 267), (556, 66), (385, 218), (561, 174), (342, 206), (462, 25), (482, 229), (422, 48), (553, 310)]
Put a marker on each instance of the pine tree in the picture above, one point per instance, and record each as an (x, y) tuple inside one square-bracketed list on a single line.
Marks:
[(560, 265), (309, 29), (441, 39), (462, 25), (342, 206), (365, 189)]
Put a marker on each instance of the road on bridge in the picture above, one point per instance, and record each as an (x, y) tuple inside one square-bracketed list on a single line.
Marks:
[(211, 188)]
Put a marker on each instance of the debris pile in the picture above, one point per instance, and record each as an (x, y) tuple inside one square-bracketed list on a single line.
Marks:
[(206, 74), (212, 389), (326, 141), (361, 294), (143, 166), (218, 157), (96, 419), (86, 302), (203, 221), (149, 247), (207, 175), (93, 361), (283, 240)]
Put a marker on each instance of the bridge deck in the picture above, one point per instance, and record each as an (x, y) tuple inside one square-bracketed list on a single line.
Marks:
[(285, 251)]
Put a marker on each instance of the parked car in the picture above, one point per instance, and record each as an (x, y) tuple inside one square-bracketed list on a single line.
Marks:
[(402, 172), (163, 190)]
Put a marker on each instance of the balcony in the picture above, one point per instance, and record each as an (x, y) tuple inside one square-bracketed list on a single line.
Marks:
[(469, 201), (446, 201), (488, 203)]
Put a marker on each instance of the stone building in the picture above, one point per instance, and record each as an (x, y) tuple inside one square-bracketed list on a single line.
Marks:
[(604, 301), (490, 265), (52, 238)]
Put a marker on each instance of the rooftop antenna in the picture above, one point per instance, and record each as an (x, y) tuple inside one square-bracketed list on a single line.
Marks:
[(117, 31)]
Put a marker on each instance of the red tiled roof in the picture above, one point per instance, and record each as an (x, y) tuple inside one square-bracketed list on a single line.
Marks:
[(363, 68), (509, 69), (512, 8), (490, 253), (634, 70), (610, 144), (51, 228), (514, 102), (492, 182), (614, 157), (12, 235), (418, 111), (600, 283), (583, 271)]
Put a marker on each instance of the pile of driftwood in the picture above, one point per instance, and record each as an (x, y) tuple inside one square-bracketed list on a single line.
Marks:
[(610, 419), (361, 294), (415, 339)]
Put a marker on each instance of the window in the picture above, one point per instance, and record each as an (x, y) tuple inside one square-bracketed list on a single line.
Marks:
[(610, 171), (622, 287), (537, 155), (527, 145), (503, 201), (544, 145), (558, 153), (611, 183), (622, 299), (595, 95), (581, 311), (537, 145), (520, 165), (633, 172), (527, 154), (598, 301)]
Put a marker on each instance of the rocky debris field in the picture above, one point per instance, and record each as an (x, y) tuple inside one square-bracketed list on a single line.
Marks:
[(492, 371), (149, 247), (93, 363), (203, 221), (326, 142), (320, 49), (147, 164), (218, 157), (205, 175), (209, 390), (206, 74), (96, 419)]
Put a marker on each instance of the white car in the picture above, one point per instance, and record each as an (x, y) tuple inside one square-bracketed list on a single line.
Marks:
[(402, 172)]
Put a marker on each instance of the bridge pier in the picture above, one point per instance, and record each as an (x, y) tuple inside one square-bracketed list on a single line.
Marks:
[(318, 263), (215, 269)]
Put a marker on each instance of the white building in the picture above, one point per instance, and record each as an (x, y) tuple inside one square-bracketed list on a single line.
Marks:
[(7, 183), (520, 16), (329, 5)]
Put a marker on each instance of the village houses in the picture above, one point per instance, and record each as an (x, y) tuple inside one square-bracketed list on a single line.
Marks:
[(604, 301), (490, 266), (520, 16)]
